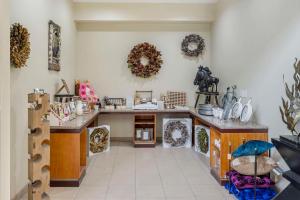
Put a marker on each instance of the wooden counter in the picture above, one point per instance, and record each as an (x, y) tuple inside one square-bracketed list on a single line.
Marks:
[(69, 142), (68, 150)]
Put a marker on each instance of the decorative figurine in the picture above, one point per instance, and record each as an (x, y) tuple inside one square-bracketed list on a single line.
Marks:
[(204, 80), (228, 100), (207, 85)]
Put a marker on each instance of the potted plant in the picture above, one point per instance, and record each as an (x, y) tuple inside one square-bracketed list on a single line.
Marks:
[(290, 109), (289, 145)]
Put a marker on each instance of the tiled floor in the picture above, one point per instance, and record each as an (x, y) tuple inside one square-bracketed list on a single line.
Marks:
[(127, 173)]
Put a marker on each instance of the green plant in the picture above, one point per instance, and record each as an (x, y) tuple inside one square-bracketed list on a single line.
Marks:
[(290, 110)]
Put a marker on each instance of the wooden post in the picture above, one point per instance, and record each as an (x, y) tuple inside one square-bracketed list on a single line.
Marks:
[(38, 146)]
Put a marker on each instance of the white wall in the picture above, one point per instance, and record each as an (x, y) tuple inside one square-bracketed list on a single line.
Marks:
[(4, 102), (102, 56), (254, 43), (35, 16)]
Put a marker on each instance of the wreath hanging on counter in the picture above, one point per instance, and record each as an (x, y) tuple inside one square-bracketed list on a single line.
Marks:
[(150, 55), (19, 45), (99, 140), (203, 140), (188, 41), (168, 134)]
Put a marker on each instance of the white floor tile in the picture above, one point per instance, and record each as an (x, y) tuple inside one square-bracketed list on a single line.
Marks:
[(127, 173), (178, 191), (149, 191)]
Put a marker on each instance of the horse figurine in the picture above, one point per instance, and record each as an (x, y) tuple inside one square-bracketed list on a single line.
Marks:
[(204, 80)]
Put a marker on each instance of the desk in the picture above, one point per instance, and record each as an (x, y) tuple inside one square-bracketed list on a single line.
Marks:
[(69, 142)]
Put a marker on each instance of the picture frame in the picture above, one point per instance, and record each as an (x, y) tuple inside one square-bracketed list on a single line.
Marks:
[(143, 97), (54, 46)]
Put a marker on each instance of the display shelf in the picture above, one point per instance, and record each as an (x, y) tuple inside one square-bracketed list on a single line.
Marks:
[(144, 130)]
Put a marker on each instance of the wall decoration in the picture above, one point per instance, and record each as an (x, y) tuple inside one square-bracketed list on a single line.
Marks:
[(202, 137), (54, 46), (99, 139), (19, 45), (144, 60), (193, 45), (177, 132)]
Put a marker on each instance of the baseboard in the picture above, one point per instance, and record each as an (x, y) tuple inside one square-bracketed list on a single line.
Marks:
[(21, 193), (121, 139)]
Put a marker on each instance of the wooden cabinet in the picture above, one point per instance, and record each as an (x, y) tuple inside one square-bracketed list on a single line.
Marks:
[(144, 130), (69, 151), (220, 156), (68, 158), (225, 137)]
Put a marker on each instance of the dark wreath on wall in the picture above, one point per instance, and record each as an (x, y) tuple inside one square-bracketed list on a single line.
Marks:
[(151, 56), (54, 46), (19, 45), (193, 45)]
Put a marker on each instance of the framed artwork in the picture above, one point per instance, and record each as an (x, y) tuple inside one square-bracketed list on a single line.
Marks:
[(54, 46)]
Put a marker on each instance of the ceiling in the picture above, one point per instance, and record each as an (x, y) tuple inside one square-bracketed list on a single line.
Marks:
[(147, 1)]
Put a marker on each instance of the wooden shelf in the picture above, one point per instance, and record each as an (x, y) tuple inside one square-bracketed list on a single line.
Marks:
[(144, 123)]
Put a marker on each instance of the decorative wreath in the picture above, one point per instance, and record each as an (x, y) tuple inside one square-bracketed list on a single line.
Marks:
[(203, 140), (19, 45), (99, 140), (170, 128), (149, 52), (196, 39)]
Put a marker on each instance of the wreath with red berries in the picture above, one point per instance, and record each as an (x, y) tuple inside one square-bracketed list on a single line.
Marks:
[(151, 54)]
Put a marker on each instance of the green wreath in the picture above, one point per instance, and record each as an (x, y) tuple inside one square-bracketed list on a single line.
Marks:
[(203, 140)]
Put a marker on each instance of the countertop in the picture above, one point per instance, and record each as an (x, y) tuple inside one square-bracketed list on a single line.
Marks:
[(221, 125), (75, 125)]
